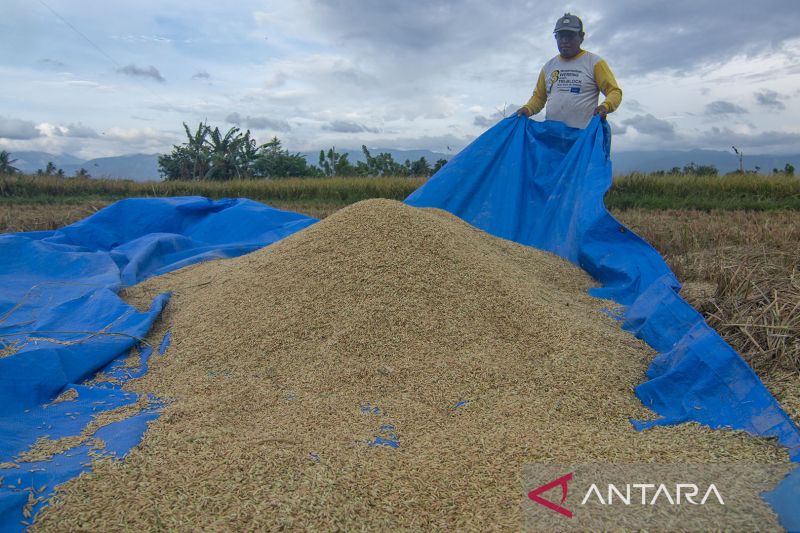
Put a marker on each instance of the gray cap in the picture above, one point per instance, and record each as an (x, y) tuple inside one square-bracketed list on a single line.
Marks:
[(569, 23)]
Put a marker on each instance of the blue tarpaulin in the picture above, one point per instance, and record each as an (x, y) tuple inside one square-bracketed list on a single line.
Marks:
[(537, 183), (60, 311)]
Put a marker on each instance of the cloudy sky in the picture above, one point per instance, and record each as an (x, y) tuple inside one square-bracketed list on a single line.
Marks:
[(97, 78)]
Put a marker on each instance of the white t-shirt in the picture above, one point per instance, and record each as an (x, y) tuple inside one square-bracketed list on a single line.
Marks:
[(572, 91)]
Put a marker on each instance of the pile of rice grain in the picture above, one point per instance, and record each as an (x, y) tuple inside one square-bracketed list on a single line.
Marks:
[(381, 324)]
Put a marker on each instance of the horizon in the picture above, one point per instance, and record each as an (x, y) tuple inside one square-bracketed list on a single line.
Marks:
[(378, 149), (143, 166)]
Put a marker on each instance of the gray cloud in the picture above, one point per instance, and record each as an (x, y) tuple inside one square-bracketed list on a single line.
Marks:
[(137, 72), (235, 118), (76, 130), (636, 37), (487, 121), (716, 138), (263, 123), (51, 64), (343, 126), (277, 80), (258, 123), (14, 128), (771, 139), (446, 144), (770, 99), (632, 105), (721, 107), (353, 76), (419, 27), (382, 64), (617, 129), (484, 122), (650, 125), (639, 37), (406, 39)]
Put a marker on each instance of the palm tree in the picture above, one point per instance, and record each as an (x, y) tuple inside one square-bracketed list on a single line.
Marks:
[(6, 163), (82, 173)]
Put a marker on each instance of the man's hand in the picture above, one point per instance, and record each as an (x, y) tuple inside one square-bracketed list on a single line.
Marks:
[(523, 112), (601, 110)]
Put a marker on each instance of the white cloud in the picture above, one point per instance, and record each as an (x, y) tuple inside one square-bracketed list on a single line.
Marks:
[(405, 73), (86, 84), (140, 136)]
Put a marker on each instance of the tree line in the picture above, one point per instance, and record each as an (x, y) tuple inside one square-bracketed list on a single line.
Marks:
[(693, 169), (209, 154)]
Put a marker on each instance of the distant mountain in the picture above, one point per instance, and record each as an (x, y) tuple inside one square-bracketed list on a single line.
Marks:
[(139, 167), (30, 162), (627, 162), (144, 167), (623, 162)]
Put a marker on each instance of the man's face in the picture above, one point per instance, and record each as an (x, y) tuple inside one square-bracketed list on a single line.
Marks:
[(569, 43)]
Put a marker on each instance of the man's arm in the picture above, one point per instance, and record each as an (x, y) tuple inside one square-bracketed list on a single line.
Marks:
[(609, 87), (537, 101)]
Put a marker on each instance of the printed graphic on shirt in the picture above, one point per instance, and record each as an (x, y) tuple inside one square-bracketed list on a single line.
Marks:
[(566, 81)]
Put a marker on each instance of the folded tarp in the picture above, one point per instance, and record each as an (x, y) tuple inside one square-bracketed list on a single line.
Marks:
[(61, 321), (542, 184)]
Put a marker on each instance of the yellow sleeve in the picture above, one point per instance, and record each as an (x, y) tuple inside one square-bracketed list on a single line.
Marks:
[(537, 101), (608, 86)]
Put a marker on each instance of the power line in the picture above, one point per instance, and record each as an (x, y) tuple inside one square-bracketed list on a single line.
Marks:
[(96, 47), (76, 30)]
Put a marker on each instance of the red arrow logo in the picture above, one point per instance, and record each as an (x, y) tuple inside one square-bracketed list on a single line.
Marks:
[(560, 482)]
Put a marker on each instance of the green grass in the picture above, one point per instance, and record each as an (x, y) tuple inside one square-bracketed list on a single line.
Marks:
[(45, 189), (748, 192)]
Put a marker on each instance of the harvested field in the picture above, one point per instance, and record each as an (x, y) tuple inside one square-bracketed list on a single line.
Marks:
[(43, 217), (741, 270), (388, 367)]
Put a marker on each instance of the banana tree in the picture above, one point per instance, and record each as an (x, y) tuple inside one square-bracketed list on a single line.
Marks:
[(196, 150)]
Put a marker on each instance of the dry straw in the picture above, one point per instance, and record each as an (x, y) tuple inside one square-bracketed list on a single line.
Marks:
[(380, 324), (757, 308)]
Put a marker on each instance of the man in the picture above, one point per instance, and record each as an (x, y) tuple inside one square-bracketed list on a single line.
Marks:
[(570, 83)]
